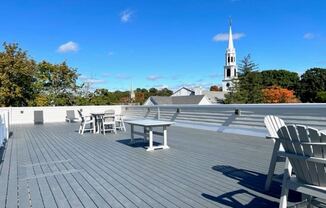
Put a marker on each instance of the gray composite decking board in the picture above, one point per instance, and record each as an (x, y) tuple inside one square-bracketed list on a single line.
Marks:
[(137, 171), (126, 203), (145, 189), (113, 174), (68, 193), (5, 173), (142, 205), (63, 165)]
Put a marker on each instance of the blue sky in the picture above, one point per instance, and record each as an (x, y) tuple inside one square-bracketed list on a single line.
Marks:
[(165, 42)]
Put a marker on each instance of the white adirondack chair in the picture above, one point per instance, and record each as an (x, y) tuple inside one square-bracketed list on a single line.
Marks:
[(305, 147), (85, 120), (273, 124)]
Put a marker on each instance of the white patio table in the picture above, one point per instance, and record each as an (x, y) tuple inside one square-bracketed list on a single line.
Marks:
[(148, 126)]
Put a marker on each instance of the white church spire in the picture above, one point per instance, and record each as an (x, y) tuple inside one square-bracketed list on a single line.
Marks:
[(230, 45), (230, 67)]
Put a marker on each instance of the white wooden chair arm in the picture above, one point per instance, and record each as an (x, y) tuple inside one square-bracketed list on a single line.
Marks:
[(305, 158)]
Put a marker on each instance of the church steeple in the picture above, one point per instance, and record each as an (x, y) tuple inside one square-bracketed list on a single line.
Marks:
[(230, 67), (230, 45)]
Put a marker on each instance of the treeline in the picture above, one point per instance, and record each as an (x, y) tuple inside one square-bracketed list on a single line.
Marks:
[(276, 86), (26, 82)]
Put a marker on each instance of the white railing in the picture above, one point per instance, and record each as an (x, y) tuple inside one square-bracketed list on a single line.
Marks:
[(4, 126)]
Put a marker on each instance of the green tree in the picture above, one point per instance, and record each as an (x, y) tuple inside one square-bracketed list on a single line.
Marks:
[(57, 82), (247, 88), (321, 97), (282, 78), (17, 72), (164, 92), (246, 66), (312, 82)]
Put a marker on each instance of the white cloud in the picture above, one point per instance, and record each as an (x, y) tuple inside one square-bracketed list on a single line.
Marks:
[(123, 76), (309, 36), (225, 36), (68, 47), (89, 80), (126, 15), (106, 74), (153, 77)]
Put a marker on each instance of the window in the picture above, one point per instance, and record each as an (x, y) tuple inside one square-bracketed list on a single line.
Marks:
[(227, 85), (228, 72), (235, 72), (231, 59), (228, 59)]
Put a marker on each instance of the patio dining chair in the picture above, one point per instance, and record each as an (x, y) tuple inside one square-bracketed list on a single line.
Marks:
[(273, 124), (70, 116), (85, 120), (305, 147), (120, 124), (109, 122)]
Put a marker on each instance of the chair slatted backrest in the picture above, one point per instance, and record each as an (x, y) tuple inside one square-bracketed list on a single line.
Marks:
[(70, 114), (306, 147), (273, 124), (81, 115)]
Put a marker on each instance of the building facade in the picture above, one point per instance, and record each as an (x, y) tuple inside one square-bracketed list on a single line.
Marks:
[(230, 67)]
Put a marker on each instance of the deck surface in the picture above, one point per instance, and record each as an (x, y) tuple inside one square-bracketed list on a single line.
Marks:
[(52, 165)]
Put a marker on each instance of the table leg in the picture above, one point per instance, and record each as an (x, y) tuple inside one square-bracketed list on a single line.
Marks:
[(150, 134), (165, 138), (98, 125), (131, 134), (145, 135)]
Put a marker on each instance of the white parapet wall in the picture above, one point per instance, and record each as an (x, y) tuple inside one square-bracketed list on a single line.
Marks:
[(30, 115), (223, 118)]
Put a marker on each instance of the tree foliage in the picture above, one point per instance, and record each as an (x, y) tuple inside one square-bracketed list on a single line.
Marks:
[(312, 82), (282, 78), (247, 88), (277, 94), (215, 88), (17, 72), (56, 82)]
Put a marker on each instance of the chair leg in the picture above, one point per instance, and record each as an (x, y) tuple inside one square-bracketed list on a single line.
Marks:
[(103, 128), (285, 189), (84, 125), (80, 127), (123, 125), (272, 165)]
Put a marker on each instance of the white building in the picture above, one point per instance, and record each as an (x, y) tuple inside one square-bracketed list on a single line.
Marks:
[(230, 68), (183, 91)]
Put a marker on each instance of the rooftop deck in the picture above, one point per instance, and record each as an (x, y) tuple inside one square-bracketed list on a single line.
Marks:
[(52, 165)]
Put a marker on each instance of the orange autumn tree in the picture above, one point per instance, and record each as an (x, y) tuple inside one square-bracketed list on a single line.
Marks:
[(277, 94)]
